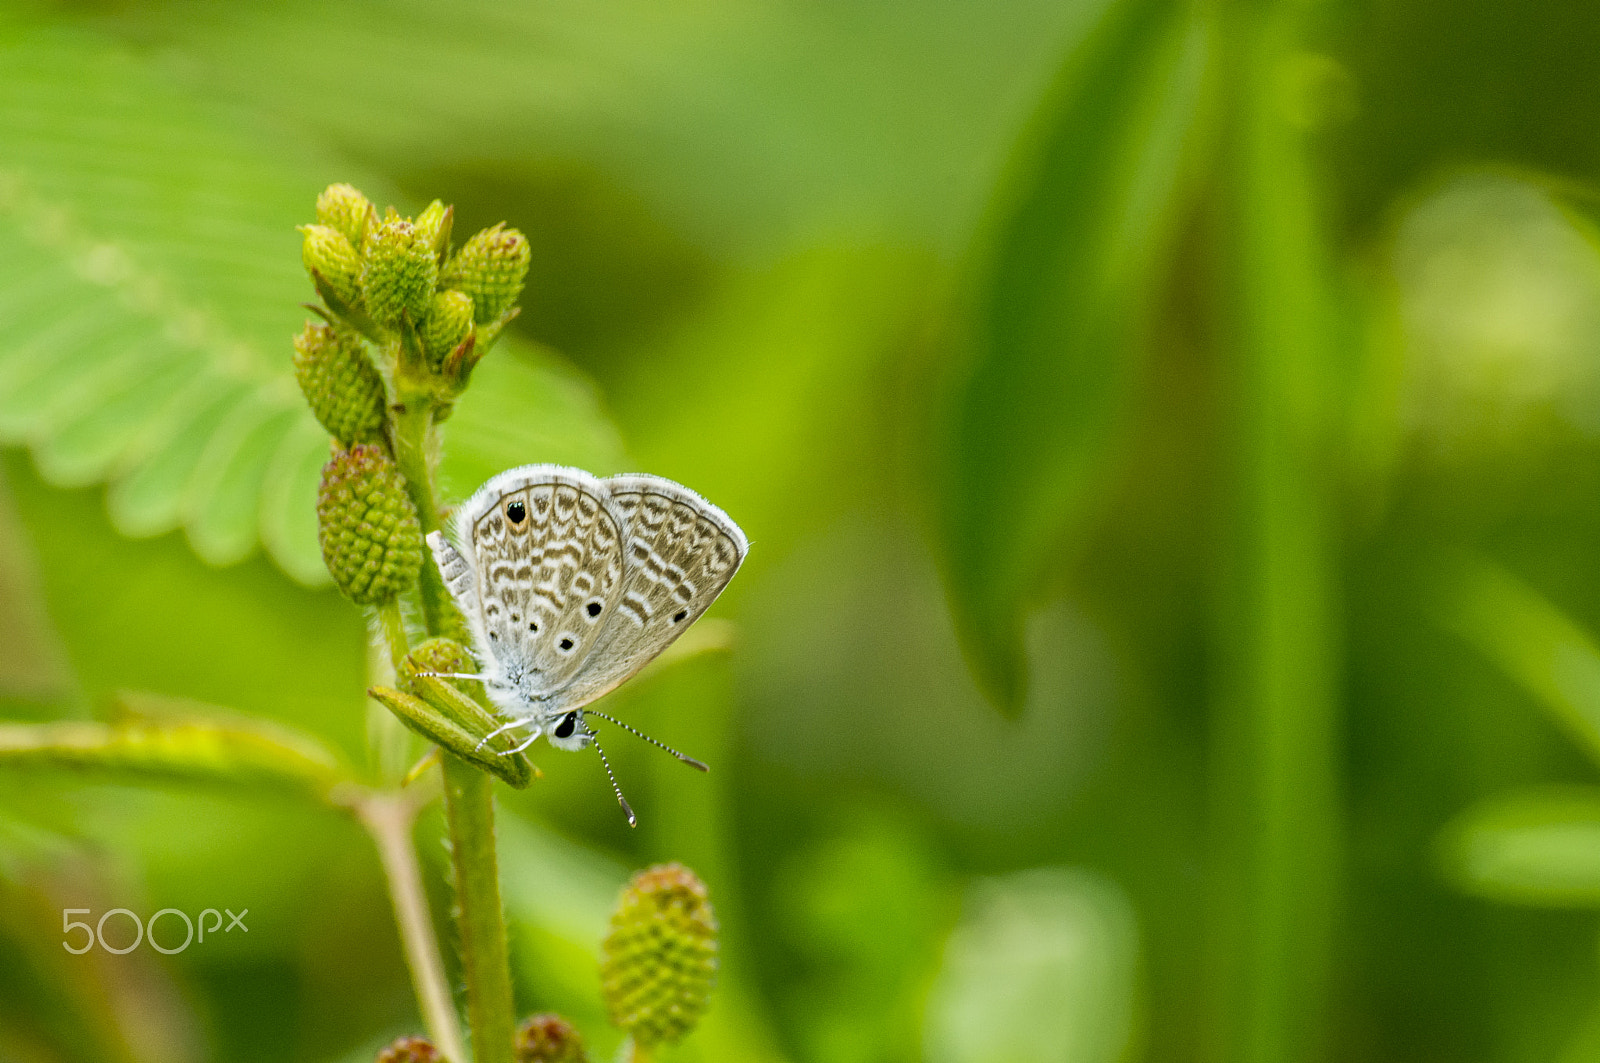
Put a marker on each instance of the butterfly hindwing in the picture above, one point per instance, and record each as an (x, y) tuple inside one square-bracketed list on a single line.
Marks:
[(679, 552)]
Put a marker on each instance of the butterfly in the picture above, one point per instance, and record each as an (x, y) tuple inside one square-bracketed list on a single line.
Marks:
[(571, 584)]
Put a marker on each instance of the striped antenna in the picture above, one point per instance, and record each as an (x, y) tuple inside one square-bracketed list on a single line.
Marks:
[(640, 734)]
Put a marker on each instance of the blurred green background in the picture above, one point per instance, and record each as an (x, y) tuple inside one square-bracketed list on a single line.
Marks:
[(1168, 434)]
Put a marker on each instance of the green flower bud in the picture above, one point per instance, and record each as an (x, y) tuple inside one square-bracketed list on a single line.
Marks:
[(549, 1039), (451, 720), (340, 382), (660, 957), (434, 224), (332, 261), (448, 322), (410, 1050), (399, 271), (438, 655), (490, 267), (344, 208), (371, 538)]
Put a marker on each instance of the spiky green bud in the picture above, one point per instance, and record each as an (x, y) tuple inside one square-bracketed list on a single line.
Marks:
[(437, 655), (660, 957), (371, 538), (410, 1050), (448, 322), (549, 1039), (330, 259), (490, 267), (434, 224), (340, 382), (343, 208), (398, 272)]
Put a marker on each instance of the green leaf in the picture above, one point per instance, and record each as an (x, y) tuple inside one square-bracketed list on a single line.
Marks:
[(1528, 637), (1077, 235), (222, 505), (1536, 848), (737, 123), (194, 751), (525, 405), (288, 494), (150, 282)]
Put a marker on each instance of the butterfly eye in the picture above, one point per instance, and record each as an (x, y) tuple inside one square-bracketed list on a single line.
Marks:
[(517, 512), (565, 728)]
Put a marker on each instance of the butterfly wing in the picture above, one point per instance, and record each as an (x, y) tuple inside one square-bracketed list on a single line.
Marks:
[(679, 552), (546, 551)]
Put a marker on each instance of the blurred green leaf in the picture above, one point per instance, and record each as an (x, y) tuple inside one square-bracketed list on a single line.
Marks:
[(33, 663), (149, 283), (526, 405), (1528, 637), (1040, 970), (175, 751), (740, 123), (1538, 848), (872, 952), (1075, 256)]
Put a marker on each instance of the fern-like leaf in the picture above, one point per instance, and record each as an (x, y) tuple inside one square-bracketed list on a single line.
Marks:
[(150, 282)]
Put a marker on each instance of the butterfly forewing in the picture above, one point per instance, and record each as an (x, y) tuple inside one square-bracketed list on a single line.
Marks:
[(679, 552), (548, 549)]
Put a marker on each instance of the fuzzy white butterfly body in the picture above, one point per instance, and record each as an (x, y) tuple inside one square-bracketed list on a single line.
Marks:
[(571, 584)]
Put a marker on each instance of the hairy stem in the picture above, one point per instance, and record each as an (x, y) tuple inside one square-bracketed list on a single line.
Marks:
[(412, 436), (389, 820), (480, 920), (394, 631), (468, 791)]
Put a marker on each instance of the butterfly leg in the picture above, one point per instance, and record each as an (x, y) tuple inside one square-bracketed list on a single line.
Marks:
[(501, 730), (534, 738)]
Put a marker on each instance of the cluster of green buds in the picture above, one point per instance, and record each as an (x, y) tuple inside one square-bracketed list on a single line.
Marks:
[(659, 961), (400, 284), (405, 318)]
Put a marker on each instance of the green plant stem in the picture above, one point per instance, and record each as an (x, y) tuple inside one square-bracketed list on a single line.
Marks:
[(480, 920), (394, 631), (468, 791), (638, 1053), (413, 442), (389, 819), (1275, 754)]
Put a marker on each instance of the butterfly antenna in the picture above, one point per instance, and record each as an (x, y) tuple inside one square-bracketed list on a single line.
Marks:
[(623, 801), (640, 734)]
